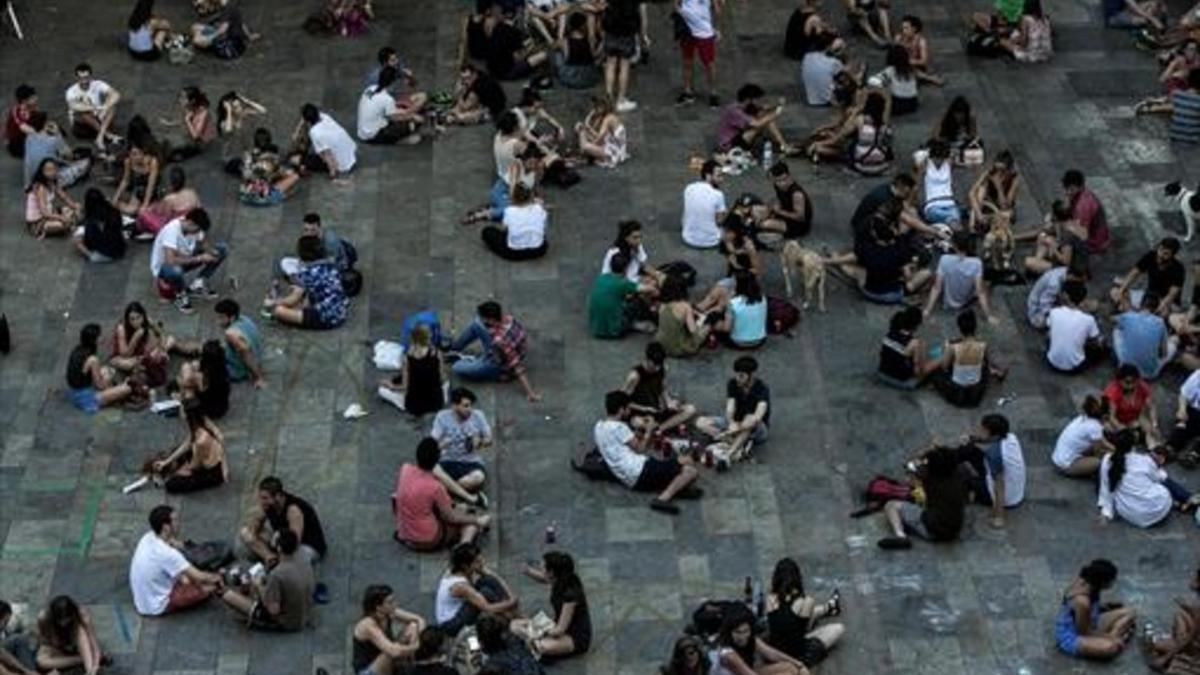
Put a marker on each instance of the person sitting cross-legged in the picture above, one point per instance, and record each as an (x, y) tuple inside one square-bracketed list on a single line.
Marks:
[(280, 600), (317, 300), (747, 410), (385, 635), (461, 431), (941, 518), (1075, 342), (163, 581), (649, 399), (625, 454), (68, 639), (426, 519)]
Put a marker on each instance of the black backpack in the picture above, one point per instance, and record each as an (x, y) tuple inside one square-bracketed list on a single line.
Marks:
[(682, 270), (352, 279)]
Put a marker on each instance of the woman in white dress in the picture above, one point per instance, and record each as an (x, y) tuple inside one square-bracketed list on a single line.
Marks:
[(1134, 486)]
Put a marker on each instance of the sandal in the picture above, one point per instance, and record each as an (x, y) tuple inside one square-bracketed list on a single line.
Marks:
[(833, 606)]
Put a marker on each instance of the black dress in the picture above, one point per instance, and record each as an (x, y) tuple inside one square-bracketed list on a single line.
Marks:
[(789, 634), (424, 391), (580, 628)]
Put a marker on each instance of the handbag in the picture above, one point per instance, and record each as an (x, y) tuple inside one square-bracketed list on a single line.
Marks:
[(5, 336), (972, 154)]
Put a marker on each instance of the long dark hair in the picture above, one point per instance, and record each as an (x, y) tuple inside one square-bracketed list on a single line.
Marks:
[(874, 107), (140, 16), (1034, 8), (735, 619), (1122, 446), (786, 581), (950, 126), (562, 567), (222, 109), (193, 414), (97, 208), (134, 307), (63, 619), (747, 286), (212, 365), (39, 177), (624, 229), (678, 663), (1099, 574), (195, 97), (373, 597), (897, 58)]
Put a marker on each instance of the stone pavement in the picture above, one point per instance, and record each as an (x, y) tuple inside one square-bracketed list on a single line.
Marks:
[(982, 606)]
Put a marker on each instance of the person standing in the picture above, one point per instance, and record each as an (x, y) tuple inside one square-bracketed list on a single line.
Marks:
[(704, 208), (700, 16), (623, 22)]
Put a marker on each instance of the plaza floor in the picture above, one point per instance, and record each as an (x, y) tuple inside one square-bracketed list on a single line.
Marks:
[(984, 605)]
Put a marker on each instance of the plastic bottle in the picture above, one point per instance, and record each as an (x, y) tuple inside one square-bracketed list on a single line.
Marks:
[(768, 156), (551, 534), (748, 593)]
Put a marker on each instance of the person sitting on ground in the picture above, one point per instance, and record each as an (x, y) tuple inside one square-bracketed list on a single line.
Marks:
[(16, 120), (338, 250), (101, 238), (206, 381), (148, 33), (1134, 486), (469, 589), (689, 656), (941, 518), (18, 654), (746, 123), (899, 78), (180, 247), (1131, 404), (882, 265), (994, 190), (959, 279), (820, 68), (572, 631), (1081, 445), (503, 340), (747, 410), (92, 105), (508, 58), (161, 578), (348, 18), (1087, 210), (417, 388), (1075, 343), (610, 301), (386, 635), (1062, 242), (279, 510), (179, 199), (681, 329), (426, 519), (316, 299), (957, 127), (1031, 42), (504, 652), (281, 599), (226, 35), (91, 386), (1187, 422), (1151, 14), (477, 98), (43, 216), (461, 431), (794, 619), (1085, 628), (139, 184), (1178, 652), (198, 463), (1185, 111), (912, 38), (330, 148), (791, 214), (745, 304), (803, 26), (863, 132), (412, 101), (243, 343), (999, 465), (67, 639), (935, 175), (966, 365), (602, 137), (142, 346), (196, 119), (629, 242), (903, 361), (649, 399), (1141, 338), (233, 109), (1164, 278), (521, 234), (578, 53), (740, 649), (704, 208), (44, 140), (380, 120), (870, 17), (626, 456)]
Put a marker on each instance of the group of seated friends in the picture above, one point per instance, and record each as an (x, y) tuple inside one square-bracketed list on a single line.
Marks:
[(915, 246)]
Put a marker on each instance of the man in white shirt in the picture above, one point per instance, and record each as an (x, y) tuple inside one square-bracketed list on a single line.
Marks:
[(959, 279), (700, 18), (625, 455), (91, 105), (380, 120), (1004, 466), (1187, 422), (331, 148), (703, 209), (161, 578), (1075, 339), (179, 248)]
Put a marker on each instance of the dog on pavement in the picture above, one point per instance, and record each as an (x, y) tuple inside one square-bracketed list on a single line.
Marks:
[(811, 267)]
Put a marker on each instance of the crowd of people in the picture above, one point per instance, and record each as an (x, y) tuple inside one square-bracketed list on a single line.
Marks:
[(917, 245)]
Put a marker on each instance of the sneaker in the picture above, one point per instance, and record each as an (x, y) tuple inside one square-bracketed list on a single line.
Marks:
[(664, 507), (714, 101), (183, 304), (625, 105), (142, 235), (894, 543), (685, 98), (202, 291)]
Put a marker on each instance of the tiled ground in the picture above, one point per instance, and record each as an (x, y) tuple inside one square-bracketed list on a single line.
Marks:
[(982, 606)]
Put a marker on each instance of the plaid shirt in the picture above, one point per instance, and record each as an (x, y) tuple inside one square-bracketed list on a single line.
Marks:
[(508, 345)]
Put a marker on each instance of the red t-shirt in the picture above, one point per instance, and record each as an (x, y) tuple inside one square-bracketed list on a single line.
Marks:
[(1127, 409), (17, 115), (1088, 210), (417, 493)]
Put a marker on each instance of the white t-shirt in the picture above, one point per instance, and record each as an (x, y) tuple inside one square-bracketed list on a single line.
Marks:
[(698, 16), (152, 574), (1140, 498), (1078, 436), (170, 236), (1070, 329), (701, 204), (374, 107), (633, 271), (327, 134), (612, 438), (79, 100), (526, 226), (1190, 391), (1014, 471)]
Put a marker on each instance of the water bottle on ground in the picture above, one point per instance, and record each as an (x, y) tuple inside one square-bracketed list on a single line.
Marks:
[(768, 156)]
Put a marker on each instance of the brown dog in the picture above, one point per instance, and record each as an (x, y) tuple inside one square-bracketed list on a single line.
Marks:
[(811, 267)]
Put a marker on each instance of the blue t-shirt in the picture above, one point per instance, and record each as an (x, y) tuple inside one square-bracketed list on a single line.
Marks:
[(1142, 334), (749, 320)]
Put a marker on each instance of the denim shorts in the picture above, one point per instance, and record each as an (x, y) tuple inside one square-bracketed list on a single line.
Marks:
[(85, 399)]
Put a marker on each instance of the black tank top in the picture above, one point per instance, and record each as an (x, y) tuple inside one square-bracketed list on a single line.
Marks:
[(314, 537), (786, 630), (76, 377), (648, 391), (579, 52), (795, 228), (364, 653), (893, 362)]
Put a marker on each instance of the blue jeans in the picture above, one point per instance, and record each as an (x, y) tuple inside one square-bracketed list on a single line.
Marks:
[(945, 211), (499, 199), (1178, 492), (470, 366), (175, 275)]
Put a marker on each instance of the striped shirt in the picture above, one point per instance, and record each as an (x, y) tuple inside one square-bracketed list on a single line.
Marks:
[(1185, 116)]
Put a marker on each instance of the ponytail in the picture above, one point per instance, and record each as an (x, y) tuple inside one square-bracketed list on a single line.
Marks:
[(1123, 443)]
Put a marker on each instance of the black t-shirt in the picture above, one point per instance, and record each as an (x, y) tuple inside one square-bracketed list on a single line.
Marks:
[(313, 536), (945, 499), (622, 17), (490, 95), (1160, 280), (744, 402), (796, 228), (505, 41), (103, 235), (77, 378), (861, 220), (580, 628), (884, 264)]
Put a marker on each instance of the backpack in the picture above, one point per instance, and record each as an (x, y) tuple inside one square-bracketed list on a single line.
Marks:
[(881, 490), (209, 556), (429, 317), (986, 45), (782, 315), (594, 467), (352, 279), (682, 270)]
